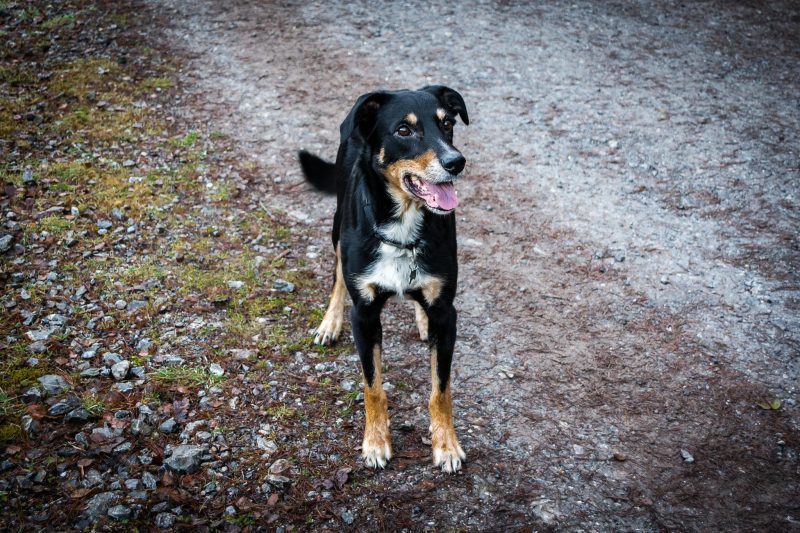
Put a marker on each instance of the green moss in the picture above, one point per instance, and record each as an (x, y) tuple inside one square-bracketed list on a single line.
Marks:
[(67, 19), (191, 376), (157, 83), (10, 432), (21, 377)]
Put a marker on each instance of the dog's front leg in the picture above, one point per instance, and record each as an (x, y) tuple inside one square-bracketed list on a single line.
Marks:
[(377, 446), (447, 452)]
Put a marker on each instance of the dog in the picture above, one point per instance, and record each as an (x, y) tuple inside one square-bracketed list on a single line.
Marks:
[(394, 233)]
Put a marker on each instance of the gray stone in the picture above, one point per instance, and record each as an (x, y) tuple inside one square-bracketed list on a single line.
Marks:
[(37, 347), (149, 480), (120, 370), (165, 520), (27, 177), (234, 284), (99, 503), (78, 415), (216, 370), (144, 346), (111, 358), (278, 481), (347, 516), (173, 360), (5, 243), (132, 484), (185, 459), (54, 384), (104, 224), (167, 426), (120, 512), (279, 467), (91, 372), (41, 334), (348, 384), (120, 304), (32, 395), (122, 447), (124, 387), (136, 305), (281, 285)]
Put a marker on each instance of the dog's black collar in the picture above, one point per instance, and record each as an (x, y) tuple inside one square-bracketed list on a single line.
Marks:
[(410, 246)]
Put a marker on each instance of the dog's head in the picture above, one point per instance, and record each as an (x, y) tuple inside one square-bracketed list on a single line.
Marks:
[(409, 135)]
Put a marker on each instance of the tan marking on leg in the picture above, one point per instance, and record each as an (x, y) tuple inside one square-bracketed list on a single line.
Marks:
[(447, 452), (441, 113), (377, 446), (421, 319), (432, 289), (382, 156), (411, 118), (331, 325)]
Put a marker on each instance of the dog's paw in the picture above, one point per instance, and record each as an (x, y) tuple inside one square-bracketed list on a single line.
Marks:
[(328, 331), (422, 321), (376, 452), (447, 452)]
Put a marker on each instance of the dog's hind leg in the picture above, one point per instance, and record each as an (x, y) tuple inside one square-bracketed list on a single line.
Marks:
[(421, 319), (331, 325), (447, 452)]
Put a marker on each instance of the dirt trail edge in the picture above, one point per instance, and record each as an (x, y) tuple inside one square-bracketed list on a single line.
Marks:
[(629, 243)]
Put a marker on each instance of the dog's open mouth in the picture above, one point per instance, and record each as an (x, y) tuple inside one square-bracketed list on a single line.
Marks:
[(441, 196)]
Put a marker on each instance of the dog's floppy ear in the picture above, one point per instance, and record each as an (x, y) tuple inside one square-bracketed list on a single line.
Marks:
[(450, 99), (361, 118)]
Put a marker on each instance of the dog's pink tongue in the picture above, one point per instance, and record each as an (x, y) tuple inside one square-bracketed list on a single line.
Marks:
[(442, 196)]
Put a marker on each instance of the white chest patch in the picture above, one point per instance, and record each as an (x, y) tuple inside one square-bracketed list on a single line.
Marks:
[(392, 270)]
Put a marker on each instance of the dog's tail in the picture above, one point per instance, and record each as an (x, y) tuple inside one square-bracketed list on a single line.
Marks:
[(319, 172)]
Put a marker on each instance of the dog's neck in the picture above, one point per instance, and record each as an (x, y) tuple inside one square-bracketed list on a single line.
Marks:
[(402, 229)]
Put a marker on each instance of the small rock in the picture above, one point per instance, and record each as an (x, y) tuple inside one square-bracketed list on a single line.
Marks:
[(348, 384), (27, 178), (39, 334), (105, 224), (267, 445), (128, 163), (111, 358), (144, 346), (124, 387), (149, 480), (235, 284), (99, 503), (32, 361), (32, 395), (279, 467), (122, 447), (62, 407), (120, 370), (53, 384), (5, 243), (347, 516), (173, 360), (136, 305), (120, 304), (686, 456), (167, 426), (37, 347), (78, 415), (278, 481), (216, 370), (91, 372), (281, 285), (120, 512), (664, 280), (165, 520), (132, 484), (185, 459)]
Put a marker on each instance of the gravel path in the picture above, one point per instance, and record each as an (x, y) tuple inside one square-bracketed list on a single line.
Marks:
[(628, 230)]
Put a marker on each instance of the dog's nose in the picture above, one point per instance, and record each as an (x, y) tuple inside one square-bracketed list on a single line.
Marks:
[(454, 163)]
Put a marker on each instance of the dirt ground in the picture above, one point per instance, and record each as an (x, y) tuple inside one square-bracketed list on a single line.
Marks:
[(629, 297), (628, 237)]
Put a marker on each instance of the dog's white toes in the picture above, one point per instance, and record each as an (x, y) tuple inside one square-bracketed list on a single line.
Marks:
[(327, 333), (376, 455), (449, 458)]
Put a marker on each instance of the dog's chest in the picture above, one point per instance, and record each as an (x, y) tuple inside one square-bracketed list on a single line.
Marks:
[(395, 270)]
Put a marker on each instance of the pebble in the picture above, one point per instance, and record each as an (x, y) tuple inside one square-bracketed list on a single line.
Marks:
[(5, 243), (78, 415), (347, 516), (53, 384), (165, 520), (149, 481), (132, 484), (216, 370), (111, 358), (279, 467), (235, 284), (120, 304), (104, 224), (135, 305), (120, 370), (91, 372), (348, 384), (38, 334), (281, 285), (120, 512), (167, 426), (99, 503), (185, 459), (686, 456), (32, 395), (63, 407), (27, 177), (91, 352), (124, 387)]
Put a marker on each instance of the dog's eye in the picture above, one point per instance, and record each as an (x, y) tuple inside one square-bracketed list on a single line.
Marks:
[(404, 131), (447, 125)]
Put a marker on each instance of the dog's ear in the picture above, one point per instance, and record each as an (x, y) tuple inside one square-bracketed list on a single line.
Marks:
[(450, 99), (361, 118)]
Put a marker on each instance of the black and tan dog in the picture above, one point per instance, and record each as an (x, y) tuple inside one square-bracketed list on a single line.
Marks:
[(394, 233)]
